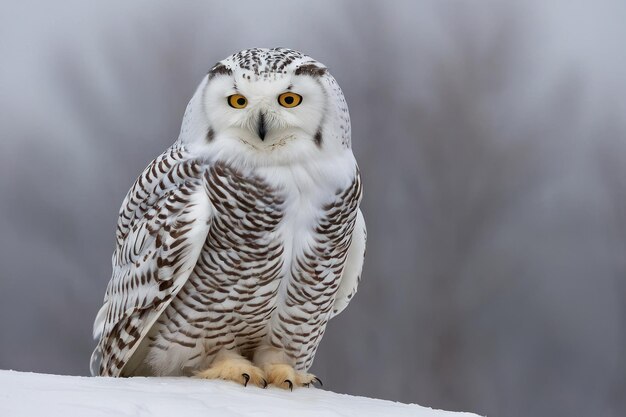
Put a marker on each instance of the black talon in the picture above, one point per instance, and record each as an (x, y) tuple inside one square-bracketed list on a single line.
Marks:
[(290, 384), (319, 381), (246, 377), (264, 384)]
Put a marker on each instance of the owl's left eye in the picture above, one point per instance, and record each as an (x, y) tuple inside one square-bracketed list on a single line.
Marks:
[(237, 101), (289, 100)]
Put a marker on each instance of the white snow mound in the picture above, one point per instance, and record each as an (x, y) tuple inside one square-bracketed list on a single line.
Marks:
[(25, 394)]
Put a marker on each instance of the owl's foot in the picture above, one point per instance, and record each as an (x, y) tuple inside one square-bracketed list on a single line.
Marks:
[(284, 376), (230, 366)]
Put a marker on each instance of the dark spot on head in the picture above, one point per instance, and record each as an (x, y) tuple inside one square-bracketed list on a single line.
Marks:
[(210, 134), (318, 137), (311, 70), (219, 69)]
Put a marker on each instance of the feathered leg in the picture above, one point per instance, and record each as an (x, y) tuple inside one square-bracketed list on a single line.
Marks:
[(231, 366)]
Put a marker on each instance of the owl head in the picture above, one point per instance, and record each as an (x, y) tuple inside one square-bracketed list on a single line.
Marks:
[(268, 104)]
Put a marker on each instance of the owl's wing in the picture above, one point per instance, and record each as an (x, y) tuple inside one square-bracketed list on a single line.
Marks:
[(161, 229), (351, 275)]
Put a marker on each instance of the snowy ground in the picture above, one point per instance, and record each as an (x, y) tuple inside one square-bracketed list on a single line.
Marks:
[(30, 395)]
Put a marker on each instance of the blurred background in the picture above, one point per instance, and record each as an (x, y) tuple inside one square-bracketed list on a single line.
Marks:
[(491, 137)]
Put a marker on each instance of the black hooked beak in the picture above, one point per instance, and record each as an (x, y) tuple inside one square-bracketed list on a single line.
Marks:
[(261, 128)]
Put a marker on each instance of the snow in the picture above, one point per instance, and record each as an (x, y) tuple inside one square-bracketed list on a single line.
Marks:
[(25, 394)]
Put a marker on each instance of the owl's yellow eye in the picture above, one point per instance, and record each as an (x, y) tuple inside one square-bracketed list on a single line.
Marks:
[(237, 101), (289, 100)]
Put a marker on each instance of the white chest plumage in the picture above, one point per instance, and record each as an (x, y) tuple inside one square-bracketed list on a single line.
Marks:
[(247, 287)]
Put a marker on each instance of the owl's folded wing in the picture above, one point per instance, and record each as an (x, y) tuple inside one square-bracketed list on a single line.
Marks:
[(351, 275), (162, 226)]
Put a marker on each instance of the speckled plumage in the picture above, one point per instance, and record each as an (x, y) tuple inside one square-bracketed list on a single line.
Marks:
[(235, 246)]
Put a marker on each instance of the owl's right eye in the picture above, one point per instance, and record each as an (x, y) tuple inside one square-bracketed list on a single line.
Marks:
[(237, 101)]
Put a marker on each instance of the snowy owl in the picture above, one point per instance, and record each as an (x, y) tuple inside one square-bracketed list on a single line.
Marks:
[(237, 244)]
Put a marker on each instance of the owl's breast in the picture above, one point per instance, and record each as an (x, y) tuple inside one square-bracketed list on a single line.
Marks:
[(268, 270), (263, 222), (244, 243)]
